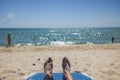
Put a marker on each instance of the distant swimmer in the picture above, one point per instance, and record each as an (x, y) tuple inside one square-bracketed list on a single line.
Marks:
[(112, 40), (62, 37), (54, 39), (9, 40), (49, 38)]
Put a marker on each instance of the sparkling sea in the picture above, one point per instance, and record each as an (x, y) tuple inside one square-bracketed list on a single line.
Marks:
[(58, 36)]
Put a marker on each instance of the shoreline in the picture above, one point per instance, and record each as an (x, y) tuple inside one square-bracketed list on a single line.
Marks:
[(62, 47), (101, 61)]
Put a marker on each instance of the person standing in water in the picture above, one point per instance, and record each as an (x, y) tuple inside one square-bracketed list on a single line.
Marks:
[(9, 40), (112, 40)]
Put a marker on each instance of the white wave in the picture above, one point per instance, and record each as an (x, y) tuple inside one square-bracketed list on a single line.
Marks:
[(42, 38), (53, 30), (29, 44), (55, 34), (23, 44), (39, 43), (75, 33), (99, 33), (69, 43), (17, 45), (61, 43), (89, 43), (57, 43)]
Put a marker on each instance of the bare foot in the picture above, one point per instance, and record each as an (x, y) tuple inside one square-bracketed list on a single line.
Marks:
[(48, 66), (66, 69)]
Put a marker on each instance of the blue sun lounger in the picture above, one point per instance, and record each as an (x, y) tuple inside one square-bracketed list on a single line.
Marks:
[(58, 76)]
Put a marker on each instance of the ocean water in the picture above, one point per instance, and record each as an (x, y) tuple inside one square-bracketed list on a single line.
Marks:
[(46, 36)]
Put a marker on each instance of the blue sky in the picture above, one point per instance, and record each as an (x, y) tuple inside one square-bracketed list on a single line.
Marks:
[(59, 13)]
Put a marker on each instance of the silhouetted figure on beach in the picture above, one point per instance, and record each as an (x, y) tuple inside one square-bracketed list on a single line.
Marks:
[(48, 66), (112, 40), (9, 40)]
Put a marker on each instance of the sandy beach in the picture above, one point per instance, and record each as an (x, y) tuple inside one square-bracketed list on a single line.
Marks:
[(102, 62)]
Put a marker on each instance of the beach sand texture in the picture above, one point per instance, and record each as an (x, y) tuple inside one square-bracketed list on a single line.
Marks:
[(102, 62)]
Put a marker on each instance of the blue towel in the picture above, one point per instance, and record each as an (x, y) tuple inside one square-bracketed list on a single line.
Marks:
[(58, 76)]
